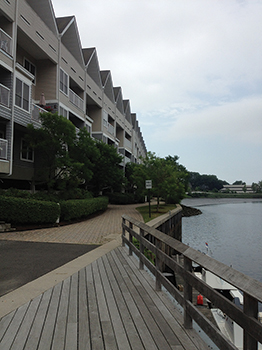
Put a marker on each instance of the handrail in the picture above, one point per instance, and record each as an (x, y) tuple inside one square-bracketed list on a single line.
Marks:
[(159, 243), (76, 100)]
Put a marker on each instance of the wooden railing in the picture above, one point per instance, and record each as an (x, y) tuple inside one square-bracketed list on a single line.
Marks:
[(165, 249)]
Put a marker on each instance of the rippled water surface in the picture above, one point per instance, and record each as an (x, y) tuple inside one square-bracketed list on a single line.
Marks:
[(233, 232)]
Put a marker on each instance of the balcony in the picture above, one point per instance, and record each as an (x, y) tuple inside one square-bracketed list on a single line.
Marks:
[(6, 43), (76, 100), (110, 128), (128, 143), (36, 110), (4, 96), (3, 148)]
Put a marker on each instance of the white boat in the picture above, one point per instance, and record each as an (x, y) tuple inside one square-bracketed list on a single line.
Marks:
[(227, 326)]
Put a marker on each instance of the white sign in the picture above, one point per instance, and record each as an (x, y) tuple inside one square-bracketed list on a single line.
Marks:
[(148, 184)]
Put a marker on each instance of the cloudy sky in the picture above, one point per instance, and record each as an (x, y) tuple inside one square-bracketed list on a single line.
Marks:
[(192, 71)]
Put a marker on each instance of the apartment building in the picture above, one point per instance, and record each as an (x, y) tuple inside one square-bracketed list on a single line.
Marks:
[(44, 67)]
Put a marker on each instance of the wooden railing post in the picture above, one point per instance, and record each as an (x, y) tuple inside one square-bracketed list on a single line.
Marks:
[(187, 294), (123, 231), (250, 309), (158, 264), (142, 249), (130, 238)]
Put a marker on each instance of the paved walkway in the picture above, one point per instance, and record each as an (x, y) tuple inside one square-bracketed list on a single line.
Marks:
[(98, 230)]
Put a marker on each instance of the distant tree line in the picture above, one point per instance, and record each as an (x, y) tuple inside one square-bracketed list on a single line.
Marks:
[(205, 182)]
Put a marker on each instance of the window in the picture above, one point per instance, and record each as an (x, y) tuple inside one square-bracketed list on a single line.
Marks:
[(22, 94), (27, 152), (30, 67), (63, 112), (63, 82)]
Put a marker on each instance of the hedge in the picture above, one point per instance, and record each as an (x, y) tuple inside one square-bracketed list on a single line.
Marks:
[(28, 211), (77, 209)]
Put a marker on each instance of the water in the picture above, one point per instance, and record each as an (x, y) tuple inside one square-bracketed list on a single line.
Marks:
[(232, 229)]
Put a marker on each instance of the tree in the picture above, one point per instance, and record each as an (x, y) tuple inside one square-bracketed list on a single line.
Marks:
[(108, 175), (168, 177), (52, 143)]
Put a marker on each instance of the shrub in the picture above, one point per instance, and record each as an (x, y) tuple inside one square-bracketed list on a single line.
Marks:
[(121, 198), (29, 211), (77, 209)]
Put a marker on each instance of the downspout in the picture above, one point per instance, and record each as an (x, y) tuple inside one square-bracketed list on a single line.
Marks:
[(14, 85)]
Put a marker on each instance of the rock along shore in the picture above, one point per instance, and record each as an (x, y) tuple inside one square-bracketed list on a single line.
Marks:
[(189, 211)]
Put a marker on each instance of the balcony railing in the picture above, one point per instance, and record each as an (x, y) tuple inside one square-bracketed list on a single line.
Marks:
[(6, 42), (36, 110), (3, 149), (4, 95), (76, 100), (111, 129), (128, 143)]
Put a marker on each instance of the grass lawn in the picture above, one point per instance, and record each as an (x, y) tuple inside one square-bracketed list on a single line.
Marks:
[(163, 208)]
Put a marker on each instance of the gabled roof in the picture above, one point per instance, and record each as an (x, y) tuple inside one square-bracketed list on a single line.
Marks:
[(44, 9), (92, 65), (133, 118), (107, 84), (70, 38), (127, 110), (119, 99)]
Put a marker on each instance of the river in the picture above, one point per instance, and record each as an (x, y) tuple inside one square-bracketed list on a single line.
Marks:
[(232, 228)]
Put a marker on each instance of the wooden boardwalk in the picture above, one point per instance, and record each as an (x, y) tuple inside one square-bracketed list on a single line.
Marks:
[(110, 304)]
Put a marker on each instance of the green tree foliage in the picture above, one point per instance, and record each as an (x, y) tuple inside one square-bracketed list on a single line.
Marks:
[(52, 143), (257, 187), (65, 160), (108, 175), (169, 179), (205, 182)]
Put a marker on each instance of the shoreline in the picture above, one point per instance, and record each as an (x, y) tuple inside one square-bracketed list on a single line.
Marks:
[(199, 202)]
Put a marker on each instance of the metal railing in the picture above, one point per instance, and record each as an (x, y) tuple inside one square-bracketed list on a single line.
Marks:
[(3, 148), (6, 42), (76, 100), (165, 250), (4, 95)]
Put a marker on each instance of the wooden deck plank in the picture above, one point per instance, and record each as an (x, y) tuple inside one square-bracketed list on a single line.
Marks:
[(71, 329), (13, 327), (110, 304), (96, 335), (83, 314), (46, 337), (117, 323), (151, 320), (118, 302), (186, 336), (5, 322), (107, 329), (60, 326), (26, 325), (36, 330), (138, 320), (151, 299)]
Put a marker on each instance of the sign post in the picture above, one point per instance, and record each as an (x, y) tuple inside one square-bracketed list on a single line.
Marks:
[(148, 187)]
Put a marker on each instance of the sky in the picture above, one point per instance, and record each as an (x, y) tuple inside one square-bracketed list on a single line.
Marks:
[(192, 71)]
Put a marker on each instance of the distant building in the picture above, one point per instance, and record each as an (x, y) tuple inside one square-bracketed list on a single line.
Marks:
[(237, 188), (43, 67)]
